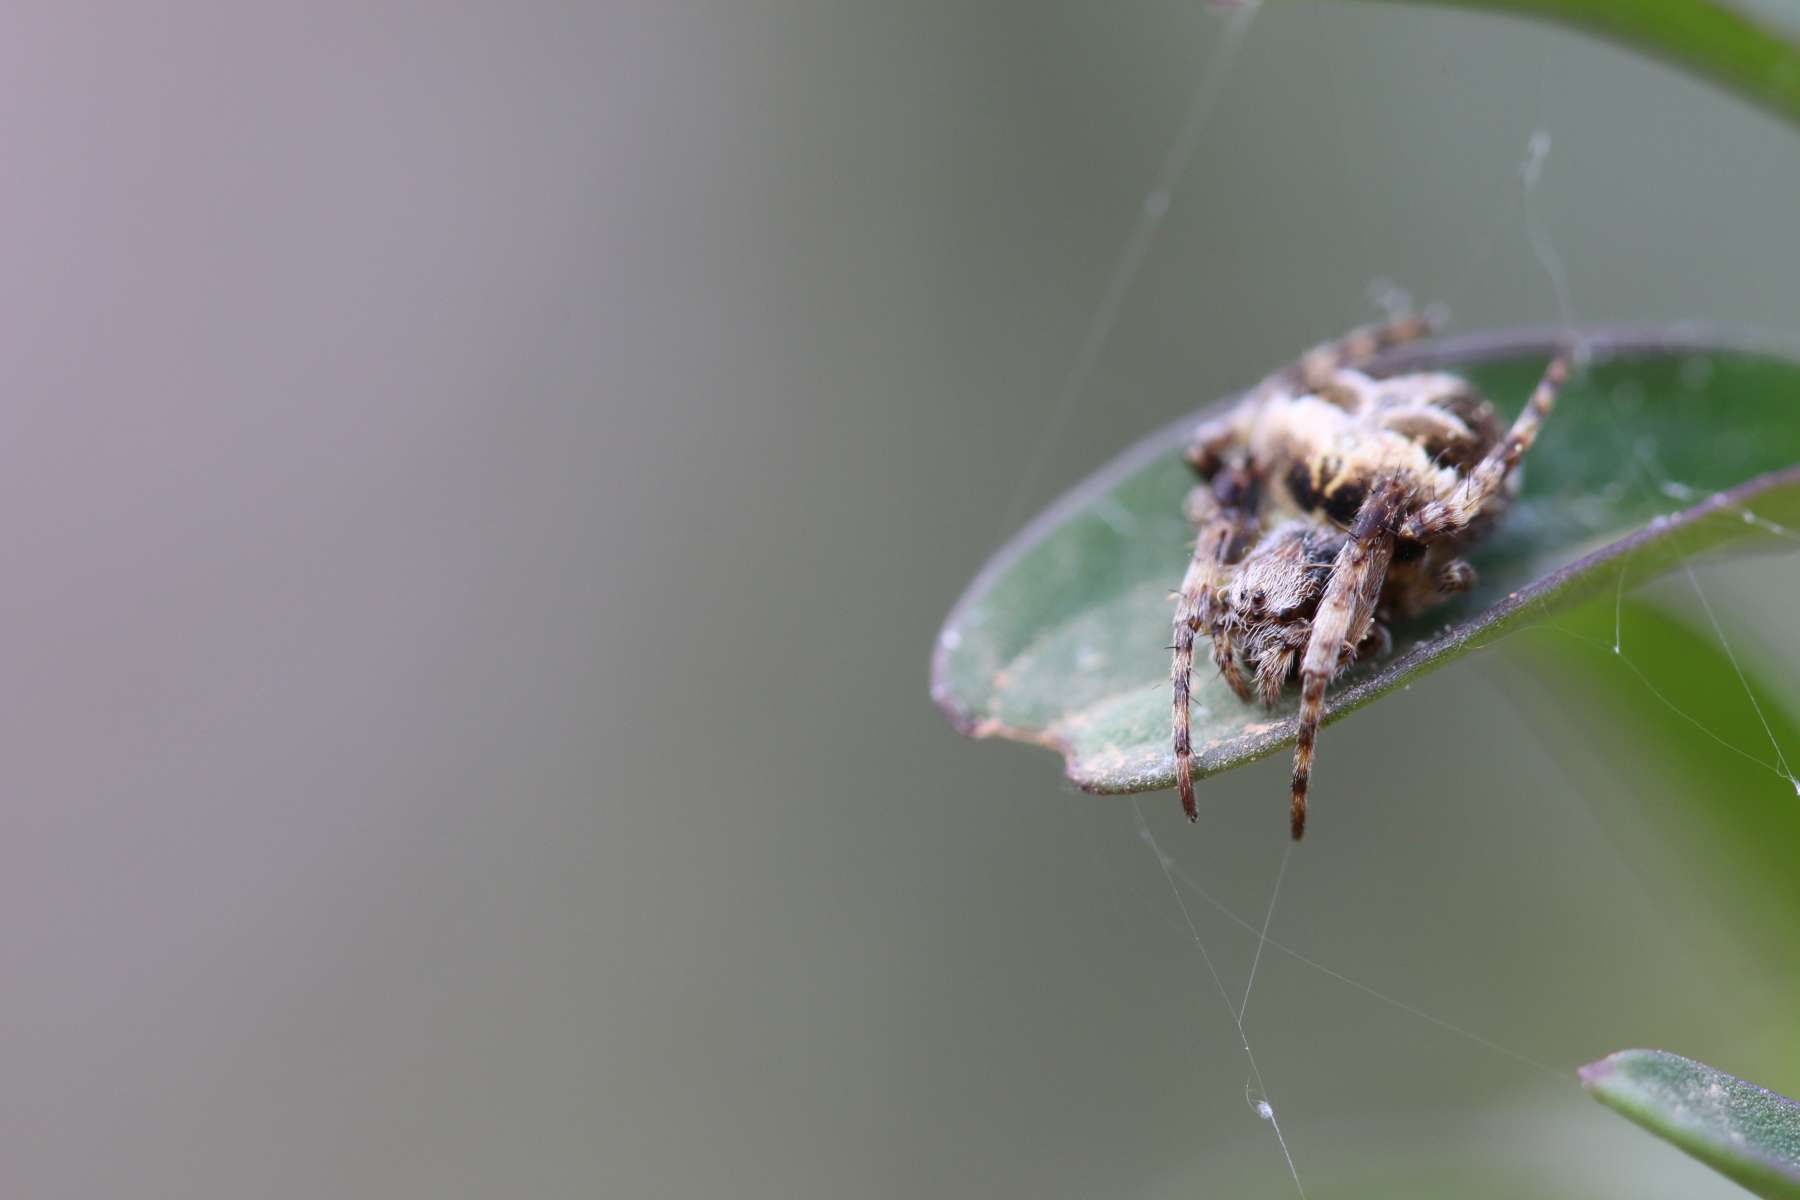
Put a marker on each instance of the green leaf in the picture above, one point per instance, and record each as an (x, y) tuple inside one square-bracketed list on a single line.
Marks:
[(1062, 638), (1744, 1132), (1672, 743), (1735, 44)]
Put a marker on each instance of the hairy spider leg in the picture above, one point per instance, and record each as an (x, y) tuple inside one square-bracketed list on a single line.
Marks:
[(1413, 595), (1314, 369), (1438, 517), (1345, 613), (1223, 529)]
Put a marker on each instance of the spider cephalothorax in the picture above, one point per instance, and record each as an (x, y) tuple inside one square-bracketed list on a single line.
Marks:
[(1331, 503)]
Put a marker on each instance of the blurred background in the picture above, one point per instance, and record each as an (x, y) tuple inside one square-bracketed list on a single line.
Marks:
[(481, 483)]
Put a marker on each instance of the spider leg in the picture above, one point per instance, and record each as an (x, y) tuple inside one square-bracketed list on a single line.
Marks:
[(1420, 591), (1377, 643), (1465, 501), (1345, 613), (1207, 448), (1272, 672), (1222, 532), (1314, 368), (1225, 657)]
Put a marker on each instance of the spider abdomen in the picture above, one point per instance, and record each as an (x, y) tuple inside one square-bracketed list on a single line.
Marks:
[(1324, 460)]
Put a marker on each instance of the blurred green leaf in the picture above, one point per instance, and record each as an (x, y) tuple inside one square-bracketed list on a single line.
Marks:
[(1670, 749), (1061, 640), (1746, 1133), (1735, 45)]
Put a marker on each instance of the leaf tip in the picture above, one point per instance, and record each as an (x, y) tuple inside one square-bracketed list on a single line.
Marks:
[(1599, 1074), (1594, 1073)]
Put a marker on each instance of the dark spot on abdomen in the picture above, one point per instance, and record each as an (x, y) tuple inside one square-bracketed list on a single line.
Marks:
[(1342, 505), (1408, 550), (1300, 486)]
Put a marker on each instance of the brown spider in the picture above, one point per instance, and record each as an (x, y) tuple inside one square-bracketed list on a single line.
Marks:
[(1332, 503)]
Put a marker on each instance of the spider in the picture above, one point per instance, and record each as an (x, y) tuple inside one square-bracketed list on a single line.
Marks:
[(1330, 504)]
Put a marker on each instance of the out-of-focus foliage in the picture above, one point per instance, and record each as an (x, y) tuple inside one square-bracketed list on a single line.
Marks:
[(1737, 45)]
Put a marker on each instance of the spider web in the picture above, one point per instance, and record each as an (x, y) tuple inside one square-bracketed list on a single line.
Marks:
[(1158, 199), (1646, 474), (1651, 480), (1130, 261)]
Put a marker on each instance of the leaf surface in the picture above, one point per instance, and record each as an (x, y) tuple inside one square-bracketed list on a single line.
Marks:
[(1670, 442), (1746, 1133)]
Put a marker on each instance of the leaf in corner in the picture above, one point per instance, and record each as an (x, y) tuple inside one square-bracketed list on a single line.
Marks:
[(1751, 47), (1746, 1133)]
